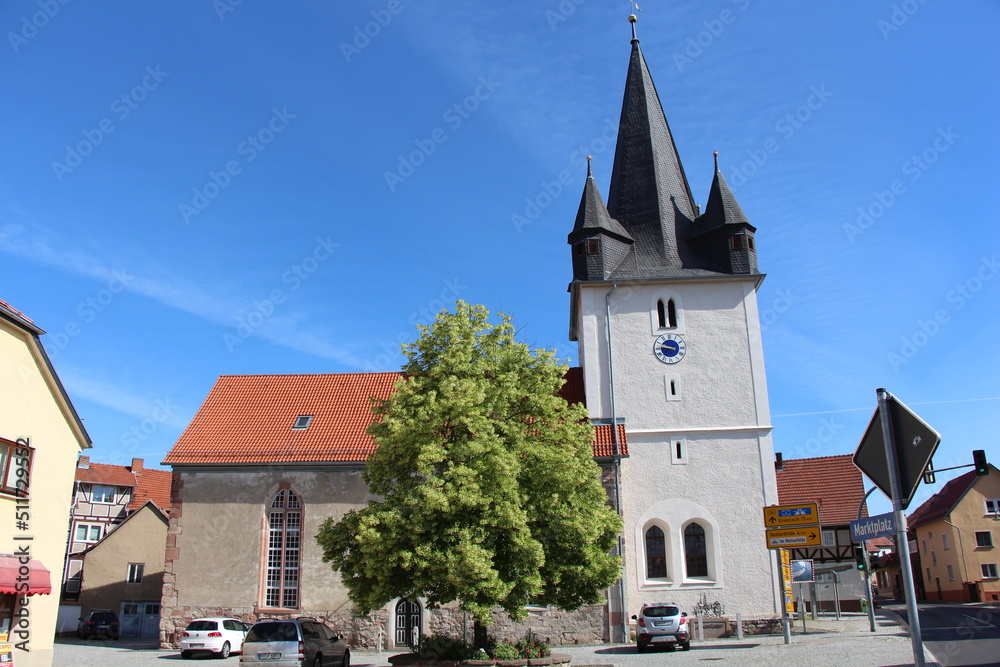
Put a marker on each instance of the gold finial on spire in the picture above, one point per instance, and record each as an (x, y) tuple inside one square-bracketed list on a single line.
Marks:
[(632, 18)]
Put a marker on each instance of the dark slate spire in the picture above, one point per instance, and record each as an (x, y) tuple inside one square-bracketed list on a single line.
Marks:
[(593, 214), (649, 191), (722, 207), (599, 241), (723, 231)]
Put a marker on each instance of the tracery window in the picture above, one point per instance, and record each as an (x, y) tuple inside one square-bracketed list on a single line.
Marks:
[(284, 543)]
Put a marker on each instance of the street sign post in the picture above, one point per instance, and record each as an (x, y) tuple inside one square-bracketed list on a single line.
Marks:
[(882, 525), (801, 514), (907, 447), (785, 538), (914, 444)]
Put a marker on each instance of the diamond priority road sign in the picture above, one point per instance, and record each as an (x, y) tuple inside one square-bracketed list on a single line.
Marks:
[(808, 536), (801, 514), (915, 445)]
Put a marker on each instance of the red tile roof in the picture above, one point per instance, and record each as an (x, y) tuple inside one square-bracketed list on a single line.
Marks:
[(833, 482), (153, 485), (15, 311), (103, 473), (941, 503), (146, 484), (248, 419)]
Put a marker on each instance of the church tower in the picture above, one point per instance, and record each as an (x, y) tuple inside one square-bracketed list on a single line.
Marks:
[(664, 311)]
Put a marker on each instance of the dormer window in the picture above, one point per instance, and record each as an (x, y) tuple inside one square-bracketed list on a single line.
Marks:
[(302, 422), (740, 241), (103, 494)]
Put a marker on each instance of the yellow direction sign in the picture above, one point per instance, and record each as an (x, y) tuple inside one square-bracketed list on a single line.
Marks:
[(802, 514), (790, 538)]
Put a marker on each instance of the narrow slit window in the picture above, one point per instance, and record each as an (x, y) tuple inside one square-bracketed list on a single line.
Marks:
[(673, 387), (302, 422), (678, 450), (671, 314), (750, 242), (661, 314)]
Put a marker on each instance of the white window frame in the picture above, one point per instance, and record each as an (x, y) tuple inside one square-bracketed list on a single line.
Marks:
[(134, 573), (989, 570), (992, 505), (989, 539), (666, 296), (93, 494), (672, 382), (682, 445), (934, 558), (945, 541), (951, 572), (89, 527)]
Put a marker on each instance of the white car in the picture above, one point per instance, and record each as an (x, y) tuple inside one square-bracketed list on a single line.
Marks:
[(221, 636)]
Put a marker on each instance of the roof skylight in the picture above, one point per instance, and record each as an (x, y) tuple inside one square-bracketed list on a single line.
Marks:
[(302, 422)]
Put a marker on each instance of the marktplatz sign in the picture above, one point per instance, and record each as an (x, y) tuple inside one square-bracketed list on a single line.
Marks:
[(871, 527)]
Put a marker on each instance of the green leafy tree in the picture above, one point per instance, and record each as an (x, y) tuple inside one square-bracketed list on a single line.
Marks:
[(489, 494)]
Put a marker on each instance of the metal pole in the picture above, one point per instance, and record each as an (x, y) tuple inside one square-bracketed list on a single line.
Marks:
[(901, 542), (867, 574), (836, 593), (785, 625)]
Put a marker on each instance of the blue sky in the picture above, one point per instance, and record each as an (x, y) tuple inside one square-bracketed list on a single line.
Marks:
[(204, 188)]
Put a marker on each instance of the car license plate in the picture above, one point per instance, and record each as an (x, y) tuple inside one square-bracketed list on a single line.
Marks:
[(195, 645), (268, 656)]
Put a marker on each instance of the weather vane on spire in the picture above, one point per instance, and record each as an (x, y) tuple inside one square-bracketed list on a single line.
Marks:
[(634, 5)]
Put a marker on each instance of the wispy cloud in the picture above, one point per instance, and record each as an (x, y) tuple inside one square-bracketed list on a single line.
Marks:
[(222, 306)]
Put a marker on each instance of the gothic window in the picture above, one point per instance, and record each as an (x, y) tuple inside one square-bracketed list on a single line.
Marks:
[(656, 553), (695, 551), (284, 537)]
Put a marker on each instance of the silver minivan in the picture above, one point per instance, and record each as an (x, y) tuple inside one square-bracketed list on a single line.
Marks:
[(300, 642)]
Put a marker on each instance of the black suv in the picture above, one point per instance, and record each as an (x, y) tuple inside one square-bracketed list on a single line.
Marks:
[(98, 623)]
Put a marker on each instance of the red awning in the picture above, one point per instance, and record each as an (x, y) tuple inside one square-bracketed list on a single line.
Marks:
[(13, 578)]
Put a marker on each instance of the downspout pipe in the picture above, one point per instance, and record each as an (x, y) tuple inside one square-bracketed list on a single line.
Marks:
[(965, 565), (616, 449)]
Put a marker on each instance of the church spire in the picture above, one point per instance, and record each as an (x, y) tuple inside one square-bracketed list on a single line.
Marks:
[(649, 191), (599, 241)]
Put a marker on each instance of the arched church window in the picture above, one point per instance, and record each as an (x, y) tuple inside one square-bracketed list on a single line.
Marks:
[(695, 551), (656, 553), (671, 314), (284, 543)]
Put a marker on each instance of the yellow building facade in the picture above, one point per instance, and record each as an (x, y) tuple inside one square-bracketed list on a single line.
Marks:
[(40, 439)]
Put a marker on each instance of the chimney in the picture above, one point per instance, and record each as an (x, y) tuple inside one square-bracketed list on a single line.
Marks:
[(83, 462), (136, 465), (778, 463)]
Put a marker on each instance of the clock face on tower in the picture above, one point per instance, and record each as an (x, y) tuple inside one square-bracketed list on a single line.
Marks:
[(669, 348)]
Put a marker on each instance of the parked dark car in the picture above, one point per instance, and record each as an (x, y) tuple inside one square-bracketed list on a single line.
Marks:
[(99, 623), (300, 642)]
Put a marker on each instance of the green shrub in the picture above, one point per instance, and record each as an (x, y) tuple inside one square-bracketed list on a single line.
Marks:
[(504, 650), (444, 647)]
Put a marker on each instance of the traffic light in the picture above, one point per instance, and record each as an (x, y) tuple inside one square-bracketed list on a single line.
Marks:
[(979, 460), (860, 559)]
